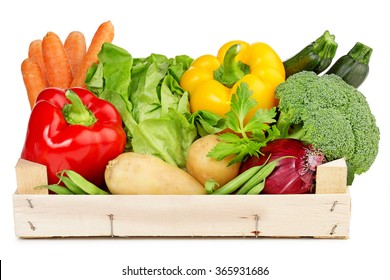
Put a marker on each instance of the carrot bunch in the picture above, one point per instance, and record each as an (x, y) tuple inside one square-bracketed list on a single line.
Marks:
[(51, 63)]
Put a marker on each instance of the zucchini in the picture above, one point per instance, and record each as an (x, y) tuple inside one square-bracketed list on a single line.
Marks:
[(315, 57), (353, 67)]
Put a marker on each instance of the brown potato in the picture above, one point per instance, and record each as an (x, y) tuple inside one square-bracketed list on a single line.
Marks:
[(133, 173), (202, 167)]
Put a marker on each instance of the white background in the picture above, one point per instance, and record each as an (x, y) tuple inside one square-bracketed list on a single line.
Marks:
[(195, 28)]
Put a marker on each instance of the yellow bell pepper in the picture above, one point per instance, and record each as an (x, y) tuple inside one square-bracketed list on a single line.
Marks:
[(212, 80)]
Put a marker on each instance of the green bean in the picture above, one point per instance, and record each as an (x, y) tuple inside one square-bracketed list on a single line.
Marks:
[(84, 184), (260, 176), (238, 181), (253, 181), (211, 186), (257, 188), (74, 188), (56, 189)]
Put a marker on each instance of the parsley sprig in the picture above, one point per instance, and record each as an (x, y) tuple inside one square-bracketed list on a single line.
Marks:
[(249, 137)]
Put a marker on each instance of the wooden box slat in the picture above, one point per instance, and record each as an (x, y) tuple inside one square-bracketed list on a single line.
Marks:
[(307, 215)]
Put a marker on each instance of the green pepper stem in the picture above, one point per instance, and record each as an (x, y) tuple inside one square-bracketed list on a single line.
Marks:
[(76, 112), (360, 53), (325, 46), (231, 70)]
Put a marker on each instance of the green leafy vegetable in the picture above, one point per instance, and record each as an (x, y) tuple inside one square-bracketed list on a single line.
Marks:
[(207, 122), (168, 138), (112, 72), (248, 137), (146, 92)]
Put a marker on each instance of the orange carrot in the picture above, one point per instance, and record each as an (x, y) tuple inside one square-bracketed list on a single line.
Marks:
[(58, 71), (75, 47), (104, 34), (35, 53), (33, 78)]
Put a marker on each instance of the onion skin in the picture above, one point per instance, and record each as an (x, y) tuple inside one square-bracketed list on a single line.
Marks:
[(292, 175)]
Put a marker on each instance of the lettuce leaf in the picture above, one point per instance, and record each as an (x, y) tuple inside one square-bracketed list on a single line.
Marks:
[(168, 138), (112, 72), (147, 94)]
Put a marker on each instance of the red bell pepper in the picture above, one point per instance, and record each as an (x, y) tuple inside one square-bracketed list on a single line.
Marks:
[(73, 129)]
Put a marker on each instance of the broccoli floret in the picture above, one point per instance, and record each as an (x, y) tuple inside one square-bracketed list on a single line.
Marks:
[(330, 114)]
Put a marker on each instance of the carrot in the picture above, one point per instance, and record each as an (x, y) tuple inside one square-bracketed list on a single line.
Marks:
[(35, 53), (33, 78), (104, 34), (58, 71), (75, 47)]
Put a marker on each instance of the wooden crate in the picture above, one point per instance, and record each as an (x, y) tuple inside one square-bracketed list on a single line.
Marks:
[(325, 214)]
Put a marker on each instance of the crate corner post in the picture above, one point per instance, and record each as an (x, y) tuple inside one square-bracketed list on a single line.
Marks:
[(332, 177), (29, 175)]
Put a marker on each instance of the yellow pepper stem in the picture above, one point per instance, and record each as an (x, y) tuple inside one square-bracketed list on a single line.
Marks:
[(231, 70)]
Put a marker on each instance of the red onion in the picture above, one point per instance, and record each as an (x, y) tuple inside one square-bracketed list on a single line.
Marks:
[(293, 175)]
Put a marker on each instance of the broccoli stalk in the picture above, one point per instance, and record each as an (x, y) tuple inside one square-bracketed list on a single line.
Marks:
[(287, 129)]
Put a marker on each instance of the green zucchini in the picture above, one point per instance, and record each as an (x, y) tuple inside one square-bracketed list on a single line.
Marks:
[(315, 57), (353, 67)]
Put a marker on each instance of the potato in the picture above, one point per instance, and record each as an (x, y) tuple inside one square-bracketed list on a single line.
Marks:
[(202, 167), (134, 173)]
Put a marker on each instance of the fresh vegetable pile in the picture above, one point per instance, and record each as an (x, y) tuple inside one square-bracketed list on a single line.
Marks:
[(240, 122)]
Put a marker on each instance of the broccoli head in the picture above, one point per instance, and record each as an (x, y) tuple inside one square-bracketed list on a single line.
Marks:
[(330, 114)]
